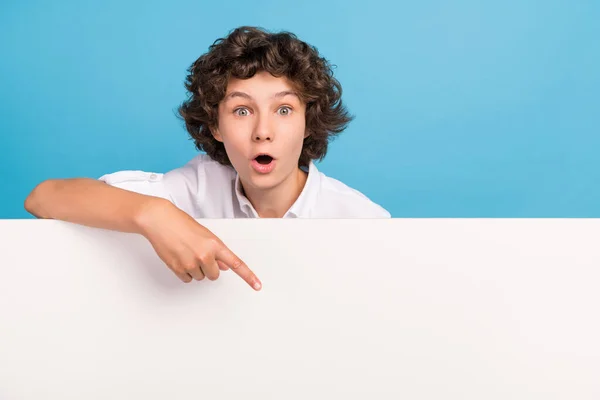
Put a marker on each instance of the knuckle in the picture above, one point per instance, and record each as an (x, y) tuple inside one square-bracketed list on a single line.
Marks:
[(203, 260), (213, 275), (204, 257), (176, 268), (213, 244), (189, 267)]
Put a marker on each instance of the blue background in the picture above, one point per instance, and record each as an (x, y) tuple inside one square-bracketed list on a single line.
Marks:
[(463, 109)]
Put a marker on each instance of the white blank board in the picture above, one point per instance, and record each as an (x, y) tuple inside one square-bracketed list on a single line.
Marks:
[(350, 309)]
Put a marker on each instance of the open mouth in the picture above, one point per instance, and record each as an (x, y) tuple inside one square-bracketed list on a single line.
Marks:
[(264, 159), (263, 163)]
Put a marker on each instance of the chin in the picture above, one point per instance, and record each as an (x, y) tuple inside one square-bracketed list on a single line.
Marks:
[(267, 183), (263, 182)]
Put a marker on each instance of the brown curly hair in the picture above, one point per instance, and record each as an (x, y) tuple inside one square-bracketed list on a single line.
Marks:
[(246, 51)]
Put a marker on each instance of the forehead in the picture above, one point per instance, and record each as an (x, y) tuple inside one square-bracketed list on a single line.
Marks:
[(261, 85)]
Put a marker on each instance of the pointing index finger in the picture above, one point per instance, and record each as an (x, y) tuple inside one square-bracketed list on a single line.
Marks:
[(239, 267)]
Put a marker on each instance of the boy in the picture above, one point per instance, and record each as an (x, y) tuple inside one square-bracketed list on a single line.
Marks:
[(262, 106)]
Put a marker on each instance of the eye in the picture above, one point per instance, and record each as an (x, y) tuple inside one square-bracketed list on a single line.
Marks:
[(242, 112), (285, 110)]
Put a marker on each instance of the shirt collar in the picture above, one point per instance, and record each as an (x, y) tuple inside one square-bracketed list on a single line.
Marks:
[(245, 205), (301, 207)]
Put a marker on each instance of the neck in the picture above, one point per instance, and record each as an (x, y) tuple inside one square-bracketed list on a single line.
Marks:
[(276, 201)]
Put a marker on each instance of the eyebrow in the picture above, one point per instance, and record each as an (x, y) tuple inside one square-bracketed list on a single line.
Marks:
[(247, 96)]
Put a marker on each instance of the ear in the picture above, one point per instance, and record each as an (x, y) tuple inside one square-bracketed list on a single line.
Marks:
[(216, 134), (306, 134)]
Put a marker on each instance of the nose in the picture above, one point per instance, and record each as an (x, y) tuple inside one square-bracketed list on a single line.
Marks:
[(262, 130)]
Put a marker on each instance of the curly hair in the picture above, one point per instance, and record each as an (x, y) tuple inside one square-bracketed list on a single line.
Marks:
[(246, 51)]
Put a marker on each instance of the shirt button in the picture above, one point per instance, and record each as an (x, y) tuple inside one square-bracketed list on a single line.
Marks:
[(153, 177)]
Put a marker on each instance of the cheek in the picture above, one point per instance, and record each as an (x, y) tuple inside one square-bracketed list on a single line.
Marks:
[(233, 146), (294, 131), (223, 123), (300, 135), (231, 133)]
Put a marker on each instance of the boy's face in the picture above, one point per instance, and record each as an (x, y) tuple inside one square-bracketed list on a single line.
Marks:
[(262, 115)]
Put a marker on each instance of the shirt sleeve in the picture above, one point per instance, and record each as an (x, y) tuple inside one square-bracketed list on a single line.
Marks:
[(185, 187), (148, 183)]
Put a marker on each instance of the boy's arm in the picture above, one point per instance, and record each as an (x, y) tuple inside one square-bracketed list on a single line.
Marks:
[(189, 249), (90, 202)]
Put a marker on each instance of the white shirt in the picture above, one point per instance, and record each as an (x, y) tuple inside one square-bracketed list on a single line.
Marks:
[(204, 188)]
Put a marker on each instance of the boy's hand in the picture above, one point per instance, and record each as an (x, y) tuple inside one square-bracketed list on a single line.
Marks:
[(189, 249)]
